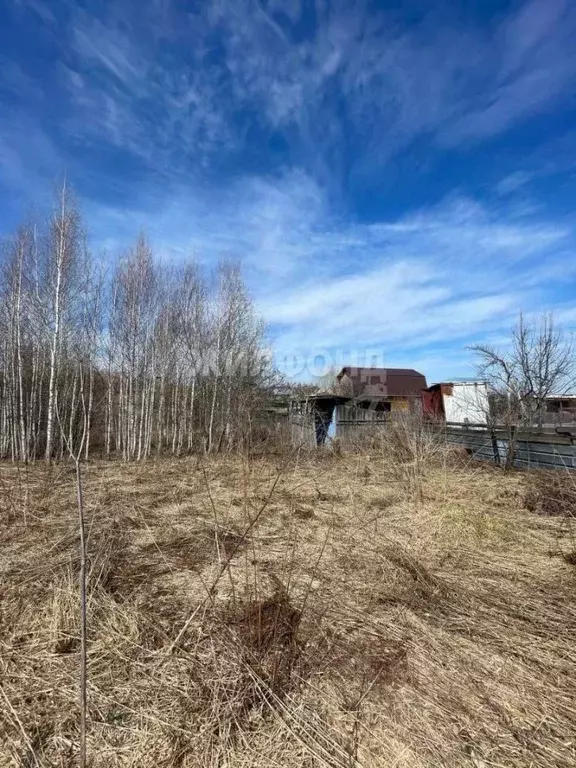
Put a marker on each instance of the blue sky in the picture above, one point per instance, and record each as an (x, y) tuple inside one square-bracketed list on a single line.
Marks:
[(398, 177)]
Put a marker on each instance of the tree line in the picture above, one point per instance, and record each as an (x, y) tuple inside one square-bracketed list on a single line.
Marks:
[(138, 359)]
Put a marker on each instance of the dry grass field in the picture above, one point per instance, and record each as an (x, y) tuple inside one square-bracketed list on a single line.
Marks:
[(287, 611)]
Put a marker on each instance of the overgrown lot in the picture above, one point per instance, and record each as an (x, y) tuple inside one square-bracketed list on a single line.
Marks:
[(287, 612)]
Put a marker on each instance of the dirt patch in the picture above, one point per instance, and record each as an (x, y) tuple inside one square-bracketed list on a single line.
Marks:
[(123, 568), (366, 664), (267, 631), (383, 502), (570, 558), (231, 541), (303, 512)]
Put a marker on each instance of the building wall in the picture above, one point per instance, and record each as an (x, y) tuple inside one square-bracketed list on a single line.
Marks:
[(467, 402)]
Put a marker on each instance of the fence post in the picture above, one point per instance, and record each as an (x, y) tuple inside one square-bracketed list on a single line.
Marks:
[(495, 449), (511, 454)]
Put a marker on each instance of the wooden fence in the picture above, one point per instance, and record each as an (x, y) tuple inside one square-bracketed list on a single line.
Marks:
[(353, 423), (302, 429)]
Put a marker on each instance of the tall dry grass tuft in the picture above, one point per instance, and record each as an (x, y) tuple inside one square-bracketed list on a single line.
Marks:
[(410, 447)]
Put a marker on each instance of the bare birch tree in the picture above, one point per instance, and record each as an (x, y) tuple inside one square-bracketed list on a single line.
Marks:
[(62, 253)]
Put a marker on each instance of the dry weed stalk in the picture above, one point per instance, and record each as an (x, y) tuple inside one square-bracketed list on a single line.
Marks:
[(76, 453)]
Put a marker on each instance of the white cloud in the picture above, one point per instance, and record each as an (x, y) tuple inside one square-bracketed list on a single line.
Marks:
[(444, 276), (42, 9), (112, 50)]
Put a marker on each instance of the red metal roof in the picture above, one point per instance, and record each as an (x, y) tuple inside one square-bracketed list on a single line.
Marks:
[(384, 382)]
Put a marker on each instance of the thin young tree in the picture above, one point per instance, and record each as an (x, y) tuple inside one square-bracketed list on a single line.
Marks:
[(75, 443), (13, 301), (131, 328)]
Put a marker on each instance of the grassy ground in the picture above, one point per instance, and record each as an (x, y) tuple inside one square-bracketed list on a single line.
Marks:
[(303, 612)]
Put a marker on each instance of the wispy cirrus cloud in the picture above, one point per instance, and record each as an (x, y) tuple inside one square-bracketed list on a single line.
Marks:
[(513, 182), (178, 88), (533, 63), (182, 93)]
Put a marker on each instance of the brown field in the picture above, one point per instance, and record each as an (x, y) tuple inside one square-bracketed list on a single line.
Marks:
[(300, 611)]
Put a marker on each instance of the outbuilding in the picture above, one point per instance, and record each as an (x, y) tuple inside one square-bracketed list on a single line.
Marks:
[(458, 402)]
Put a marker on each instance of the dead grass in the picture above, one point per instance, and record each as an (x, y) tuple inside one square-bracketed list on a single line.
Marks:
[(369, 617), (552, 493)]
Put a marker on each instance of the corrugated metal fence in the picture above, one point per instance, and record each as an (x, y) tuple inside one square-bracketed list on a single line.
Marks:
[(534, 447)]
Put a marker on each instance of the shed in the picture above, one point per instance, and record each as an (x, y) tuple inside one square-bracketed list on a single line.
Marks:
[(314, 412), (559, 403), (461, 402), (560, 408), (387, 389)]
